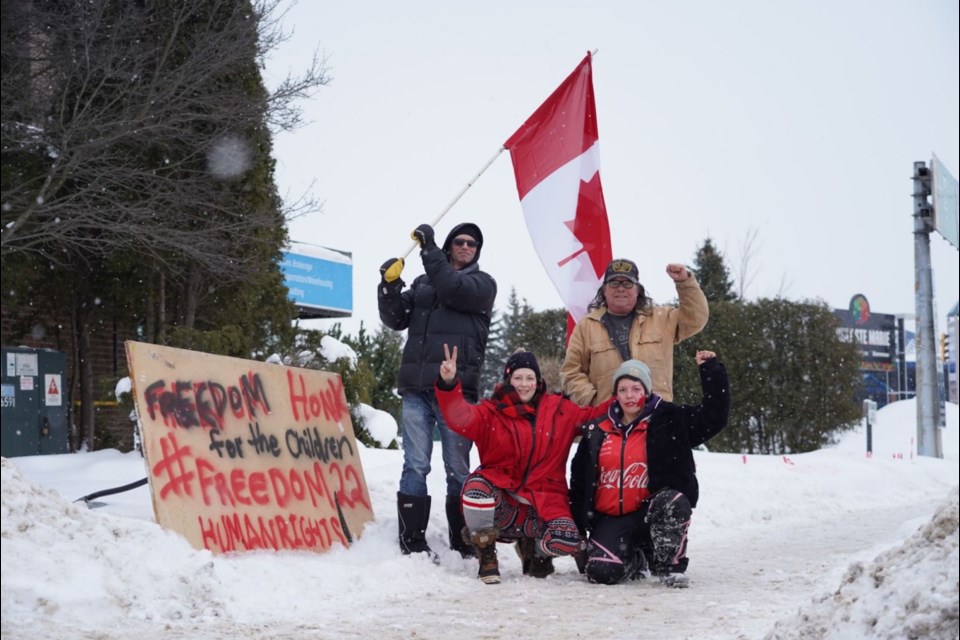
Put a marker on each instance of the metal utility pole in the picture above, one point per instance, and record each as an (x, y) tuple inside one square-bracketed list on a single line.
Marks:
[(901, 359), (928, 402)]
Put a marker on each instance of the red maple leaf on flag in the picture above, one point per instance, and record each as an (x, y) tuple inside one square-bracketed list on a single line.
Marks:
[(590, 226), (556, 161)]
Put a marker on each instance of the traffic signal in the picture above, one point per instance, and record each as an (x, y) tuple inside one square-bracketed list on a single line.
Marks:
[(944, 347), (922, 176), (922, 183)]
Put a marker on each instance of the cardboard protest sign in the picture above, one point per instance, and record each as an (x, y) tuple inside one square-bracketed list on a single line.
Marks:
[(247, 455)]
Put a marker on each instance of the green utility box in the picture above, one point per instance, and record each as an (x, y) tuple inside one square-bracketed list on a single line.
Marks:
[(34, 402)]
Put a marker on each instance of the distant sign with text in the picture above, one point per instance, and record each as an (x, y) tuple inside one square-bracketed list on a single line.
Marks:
[(320, 280), (245, 455), (874, 333)]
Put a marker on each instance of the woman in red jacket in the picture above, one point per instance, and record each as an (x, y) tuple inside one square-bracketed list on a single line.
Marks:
[(519, 491)]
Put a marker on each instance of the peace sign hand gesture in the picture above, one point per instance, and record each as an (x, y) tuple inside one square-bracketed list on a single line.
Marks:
[(448, 368)]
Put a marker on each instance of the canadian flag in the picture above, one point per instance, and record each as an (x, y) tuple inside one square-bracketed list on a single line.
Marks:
[(556, 160)]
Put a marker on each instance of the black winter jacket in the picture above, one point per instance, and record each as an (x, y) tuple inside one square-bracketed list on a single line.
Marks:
[(443, 306), (673, 431)]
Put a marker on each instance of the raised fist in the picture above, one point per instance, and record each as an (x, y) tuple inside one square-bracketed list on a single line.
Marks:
[(703, 356)]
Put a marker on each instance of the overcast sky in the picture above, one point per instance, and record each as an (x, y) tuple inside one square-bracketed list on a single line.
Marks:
[(794, 122)]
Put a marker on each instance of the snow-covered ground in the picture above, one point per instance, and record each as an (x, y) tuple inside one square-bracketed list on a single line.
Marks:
[(829, 544)]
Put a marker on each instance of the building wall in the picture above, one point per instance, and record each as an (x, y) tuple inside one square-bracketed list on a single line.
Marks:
[(109, 363)]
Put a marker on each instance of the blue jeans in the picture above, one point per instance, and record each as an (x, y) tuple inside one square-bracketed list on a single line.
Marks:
[(420, 414)]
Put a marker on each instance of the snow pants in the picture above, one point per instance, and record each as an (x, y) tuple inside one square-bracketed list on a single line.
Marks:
[(654, 537)]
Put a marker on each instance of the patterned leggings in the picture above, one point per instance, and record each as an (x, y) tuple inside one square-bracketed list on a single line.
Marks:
[(485, 505), (621, 546)]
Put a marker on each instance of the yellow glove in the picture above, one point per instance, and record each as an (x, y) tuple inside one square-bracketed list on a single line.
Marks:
[(391, 269)]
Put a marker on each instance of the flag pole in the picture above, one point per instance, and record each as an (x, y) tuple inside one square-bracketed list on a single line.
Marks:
[(467, 187), (458, 196)]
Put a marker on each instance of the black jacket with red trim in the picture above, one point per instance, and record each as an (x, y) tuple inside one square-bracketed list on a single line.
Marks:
[(673, 431)]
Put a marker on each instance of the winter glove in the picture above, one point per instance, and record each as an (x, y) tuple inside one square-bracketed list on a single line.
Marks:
[(391, 269), (424, 236)]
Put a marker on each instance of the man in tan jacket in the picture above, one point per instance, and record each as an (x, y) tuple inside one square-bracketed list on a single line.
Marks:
[(623, 324)]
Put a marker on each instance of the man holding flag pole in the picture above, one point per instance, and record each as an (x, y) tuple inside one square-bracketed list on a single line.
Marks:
[(451, 303)]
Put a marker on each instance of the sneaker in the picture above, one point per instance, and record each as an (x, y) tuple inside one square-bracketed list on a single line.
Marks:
[(675, 580)]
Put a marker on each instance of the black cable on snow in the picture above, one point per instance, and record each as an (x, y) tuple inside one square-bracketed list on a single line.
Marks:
[(109, 492)]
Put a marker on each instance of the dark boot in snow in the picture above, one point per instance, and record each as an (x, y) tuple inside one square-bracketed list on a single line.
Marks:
[(675, 580), (541, 566), (525, 549), (533, 564), (456, 524), (636, 568), (672, 575), (413, 515), (669, 519), (581, 560), (580, 557), (485, 542)]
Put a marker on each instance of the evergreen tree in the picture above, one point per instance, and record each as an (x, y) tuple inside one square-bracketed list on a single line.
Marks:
[(383, 359), (359, 379), (520, 327), (794, 384), (513, 324), (504, 338), (712, 273), (545, 333), (495, 355), (127, 128)]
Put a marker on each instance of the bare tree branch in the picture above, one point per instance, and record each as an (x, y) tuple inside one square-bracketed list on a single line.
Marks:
[(143, 120), (745, 273)]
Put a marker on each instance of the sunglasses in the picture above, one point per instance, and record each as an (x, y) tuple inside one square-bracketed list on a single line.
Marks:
[(616, 284), (460, 242)]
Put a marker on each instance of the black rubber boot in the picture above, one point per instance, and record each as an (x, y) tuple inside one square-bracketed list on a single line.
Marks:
[(413, 515), (456, 524)]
